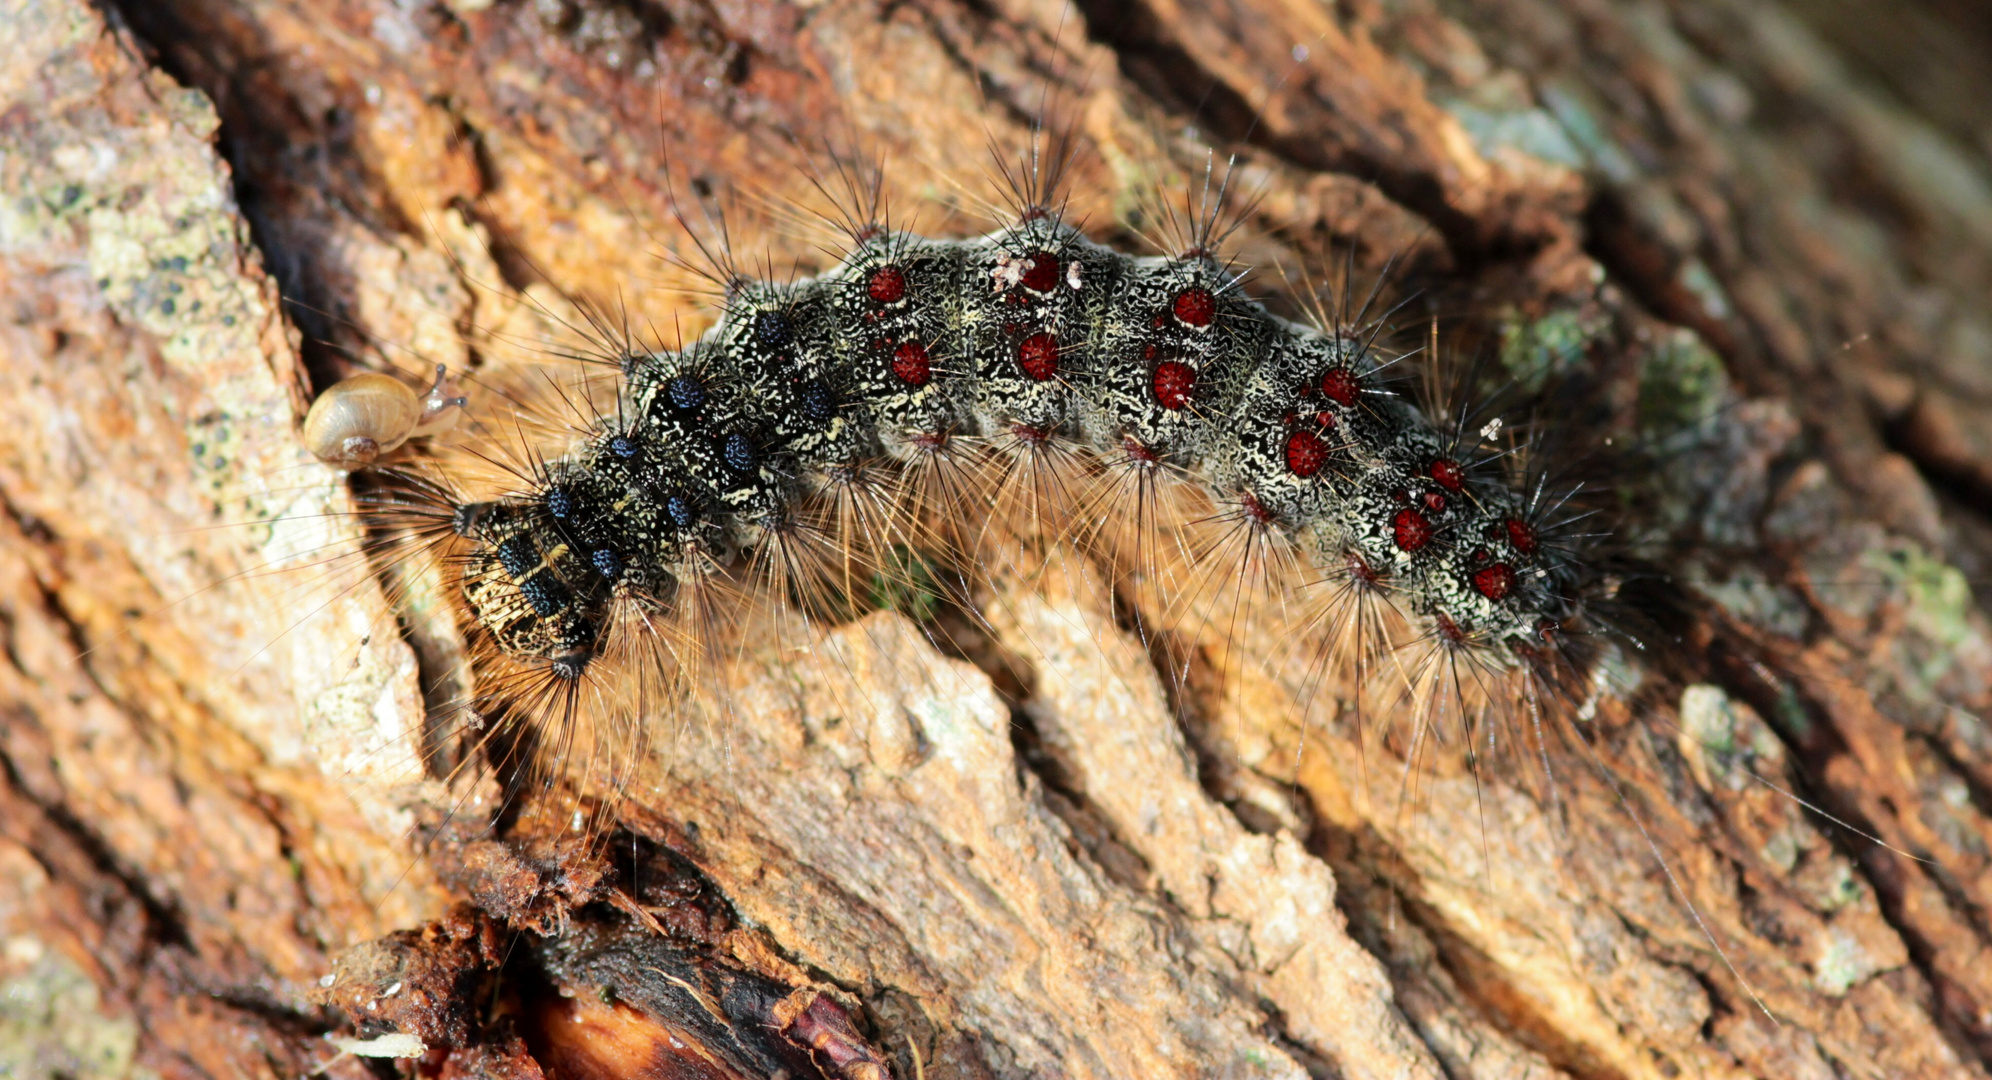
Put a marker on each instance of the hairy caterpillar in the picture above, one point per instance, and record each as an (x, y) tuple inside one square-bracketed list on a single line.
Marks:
[(824, 424)]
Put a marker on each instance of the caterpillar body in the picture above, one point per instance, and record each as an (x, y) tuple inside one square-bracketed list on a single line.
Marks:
[(916, 362)]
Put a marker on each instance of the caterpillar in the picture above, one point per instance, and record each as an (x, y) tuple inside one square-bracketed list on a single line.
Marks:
[(824, 425)]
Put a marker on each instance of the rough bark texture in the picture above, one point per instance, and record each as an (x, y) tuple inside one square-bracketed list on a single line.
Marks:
[(1045, 859)]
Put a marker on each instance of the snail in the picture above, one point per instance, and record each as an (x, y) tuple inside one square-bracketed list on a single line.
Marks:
[(360, 418)]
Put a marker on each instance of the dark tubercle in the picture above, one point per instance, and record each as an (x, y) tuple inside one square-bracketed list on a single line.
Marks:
[(687, 393), (887, 285), (1341, 385), (1173, 383), (559, 503), (738, 450), (683, 512), (607, 563), (819, 403), (1195, 307), (1306, 453), (774, 329), (545, 593), (911, 365), (1040, 272), (1410, 530), (1494, 582)]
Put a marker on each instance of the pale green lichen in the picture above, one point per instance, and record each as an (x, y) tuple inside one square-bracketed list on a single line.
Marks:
[(53, 1024), (1938, 608), (1536, 351), (1529, 131), (1749, 595), (1723, 740), (1566, 105), (1682, 385), (1841, 963), (1837, 890), (161, 239)]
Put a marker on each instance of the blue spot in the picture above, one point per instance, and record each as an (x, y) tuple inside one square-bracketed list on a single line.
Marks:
[(623, 447), (774, 328), (607, 563), (559, 503), (683, 514), (739, 453), (517, 556), (686, 392), (818, 403), (545, 593)]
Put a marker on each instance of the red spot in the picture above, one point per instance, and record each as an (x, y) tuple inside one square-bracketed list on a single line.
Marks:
[(1289, 417), (1137, 452), (888, 285), (911, 365), (931, 442), (1032, 436), (1325, 418), (1521, 534), (1359, 569), (1038, 356), (1494, 582), (1195, 307), (1341, 384), (1161, 320), (1481, 555), (1447, 472), (1449, 629), (1410, 529), (1251, 507), (1041, 275), (1305, 453), (1435, 502), (1009, 329), (1173, 382), (1148, 352)]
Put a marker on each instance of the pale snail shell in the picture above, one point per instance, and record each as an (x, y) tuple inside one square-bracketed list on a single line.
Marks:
[(359, 419)]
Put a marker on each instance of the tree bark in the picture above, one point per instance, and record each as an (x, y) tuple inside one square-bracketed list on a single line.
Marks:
[(1039, 855)]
